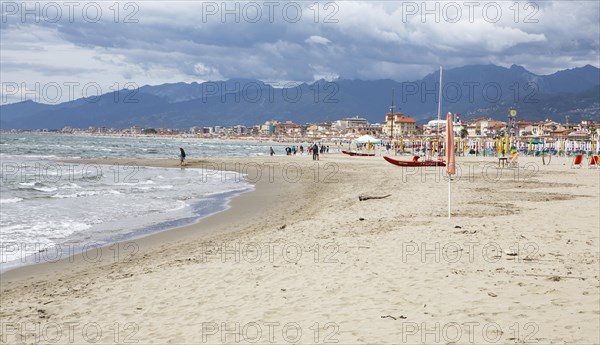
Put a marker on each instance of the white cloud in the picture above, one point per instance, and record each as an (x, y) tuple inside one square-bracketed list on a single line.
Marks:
[(315, 39), (206, 72), (323, 72)]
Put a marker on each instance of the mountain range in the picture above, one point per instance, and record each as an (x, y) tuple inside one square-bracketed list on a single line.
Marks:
[(473, 91)]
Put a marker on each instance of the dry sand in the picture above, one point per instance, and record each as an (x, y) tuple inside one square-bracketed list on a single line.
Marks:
[(304, 261)]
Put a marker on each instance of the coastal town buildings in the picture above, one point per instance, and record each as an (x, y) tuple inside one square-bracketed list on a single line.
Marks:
[(397, 125)]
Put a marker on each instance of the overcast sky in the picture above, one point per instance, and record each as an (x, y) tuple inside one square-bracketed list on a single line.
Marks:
[(106, 45)]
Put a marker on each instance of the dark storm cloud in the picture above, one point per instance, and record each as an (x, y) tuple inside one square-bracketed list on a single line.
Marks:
[(169, 41)]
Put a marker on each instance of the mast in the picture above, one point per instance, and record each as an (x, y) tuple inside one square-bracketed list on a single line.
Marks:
[(438, 113), (392, 108), (440, 98)]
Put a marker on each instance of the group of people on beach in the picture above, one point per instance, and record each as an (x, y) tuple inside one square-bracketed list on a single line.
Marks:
[(315, 149), (293, 150)]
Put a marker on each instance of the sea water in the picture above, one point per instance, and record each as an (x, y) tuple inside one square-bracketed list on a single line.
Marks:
[(51, 206)]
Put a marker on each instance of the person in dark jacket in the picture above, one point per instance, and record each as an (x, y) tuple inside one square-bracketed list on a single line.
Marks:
[(181, 157)]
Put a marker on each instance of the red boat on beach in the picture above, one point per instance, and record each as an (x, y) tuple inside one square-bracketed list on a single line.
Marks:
[(415, 162), (350, 153)]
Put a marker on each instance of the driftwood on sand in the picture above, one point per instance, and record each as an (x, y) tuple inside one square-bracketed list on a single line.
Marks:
[(367, 197)]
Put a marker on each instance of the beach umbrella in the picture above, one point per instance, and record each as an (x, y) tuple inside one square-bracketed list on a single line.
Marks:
[(450, 155), (365, 139), (507, 145)]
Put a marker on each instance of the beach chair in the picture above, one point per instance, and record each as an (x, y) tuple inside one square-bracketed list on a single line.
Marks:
[(577, 161), (594, 162), (513, 161)]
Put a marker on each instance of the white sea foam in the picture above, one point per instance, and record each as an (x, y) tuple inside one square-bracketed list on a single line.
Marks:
[(46, 189), (179, 205), (72, 208), (86, 193), (27, 184), (59, 228), (154, 187), (10, 200), (134, 183)]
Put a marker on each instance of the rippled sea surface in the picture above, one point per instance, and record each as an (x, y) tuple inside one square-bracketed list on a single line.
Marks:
[(50, 206)]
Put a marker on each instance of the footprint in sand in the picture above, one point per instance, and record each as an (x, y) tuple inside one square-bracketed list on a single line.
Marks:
[(559, 302)]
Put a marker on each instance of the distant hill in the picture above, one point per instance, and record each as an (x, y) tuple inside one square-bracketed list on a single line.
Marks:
[(473, 91)]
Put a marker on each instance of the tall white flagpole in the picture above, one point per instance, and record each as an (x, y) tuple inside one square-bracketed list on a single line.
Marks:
[(439, 114), (449, 191)]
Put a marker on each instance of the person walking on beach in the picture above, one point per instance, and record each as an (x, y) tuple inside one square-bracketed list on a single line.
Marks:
[(271, 151), (181, 157), (315, 152)]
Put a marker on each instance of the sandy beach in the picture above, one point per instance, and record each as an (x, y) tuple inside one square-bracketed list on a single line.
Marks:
[(302, 260)]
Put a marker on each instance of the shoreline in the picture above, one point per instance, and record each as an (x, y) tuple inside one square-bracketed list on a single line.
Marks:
[(67, 251), (234, 208), (256, 140), (518, 254)]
